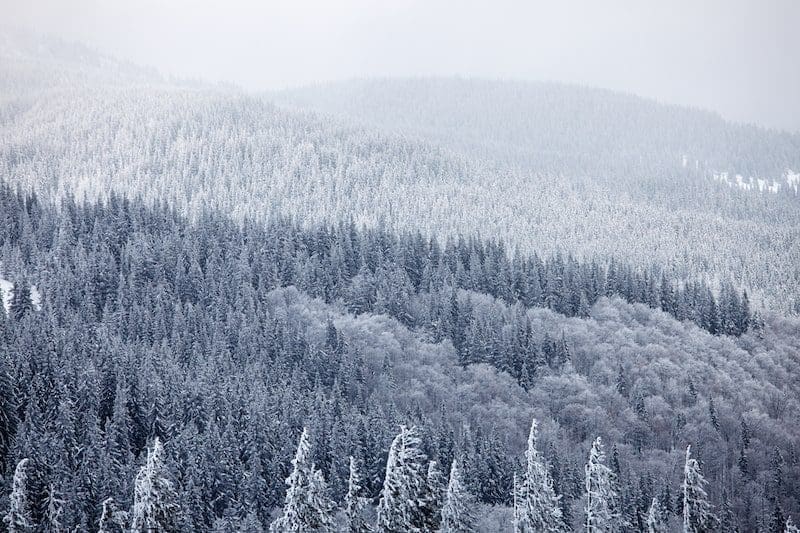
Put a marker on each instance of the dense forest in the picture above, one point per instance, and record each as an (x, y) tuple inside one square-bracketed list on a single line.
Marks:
[(389, 305), (74, 121), (224, 339), (559, 129)]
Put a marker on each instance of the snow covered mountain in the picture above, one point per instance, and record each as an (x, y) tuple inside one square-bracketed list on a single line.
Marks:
[(544, 167), (557, 129), (401, 273)]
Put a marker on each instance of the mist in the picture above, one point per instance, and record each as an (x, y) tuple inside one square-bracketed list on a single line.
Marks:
[(739, 58)]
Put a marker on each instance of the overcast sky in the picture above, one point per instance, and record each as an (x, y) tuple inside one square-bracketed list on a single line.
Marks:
[(738, 57)]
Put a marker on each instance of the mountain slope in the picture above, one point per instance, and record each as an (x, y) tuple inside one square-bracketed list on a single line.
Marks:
[(207, 147), (558, 129), (187, 331)]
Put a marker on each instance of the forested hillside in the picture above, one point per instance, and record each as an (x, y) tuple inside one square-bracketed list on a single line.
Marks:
[(561, 130), (598, 159), (152, 326), (67, 125), (406, 305)]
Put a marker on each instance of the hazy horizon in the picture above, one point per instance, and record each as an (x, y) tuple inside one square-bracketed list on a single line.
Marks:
[(736, 58)]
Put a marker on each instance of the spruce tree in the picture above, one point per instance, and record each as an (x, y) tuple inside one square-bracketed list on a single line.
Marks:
[(8, 412), (19, 518), (697, 515), (54, 511), (433, 498), (400, 506), (457, 511), (600, 495), (517, 499), (21, 303), (539, 508), (307, 506), (656, 519), (112, 519), (354, 502), (155, 505)]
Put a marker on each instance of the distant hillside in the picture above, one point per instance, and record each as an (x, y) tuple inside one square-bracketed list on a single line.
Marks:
[(218, 148), (30, 61), (558, 129)]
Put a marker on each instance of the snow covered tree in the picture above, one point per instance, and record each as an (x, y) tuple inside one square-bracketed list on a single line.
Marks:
[(307, 506), (539, 507), (457, 511), (656, 520), (790, 527), (354, 502), (8, 414), (600, 493), (21, 303), (112, 519), (19, 517), (433, 498), (517, 497), (697, 515), (400, 506), (155, 505), (54, 511)]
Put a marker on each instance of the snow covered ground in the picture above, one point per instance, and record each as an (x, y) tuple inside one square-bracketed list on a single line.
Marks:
[(790, 181)]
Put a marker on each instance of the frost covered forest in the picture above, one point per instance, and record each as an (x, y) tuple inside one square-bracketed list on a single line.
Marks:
[(323, 310)]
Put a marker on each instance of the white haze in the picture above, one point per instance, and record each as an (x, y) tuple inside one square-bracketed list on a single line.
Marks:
[(738, 57)]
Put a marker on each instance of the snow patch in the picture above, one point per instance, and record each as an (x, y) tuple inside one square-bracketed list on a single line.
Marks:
[(789, 182), (7, 287)]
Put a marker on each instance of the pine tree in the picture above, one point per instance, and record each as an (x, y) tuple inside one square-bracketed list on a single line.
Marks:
[(433, 498), (517, 498), (539, 508), (155, 505), (600, 494), (112, 519), (8, 413), (19, 517), (400, 506), (697, 515), (307, 506), (21, 303), (54, 511), (354, 502), (656, 519), (777, 521), (457, 514)]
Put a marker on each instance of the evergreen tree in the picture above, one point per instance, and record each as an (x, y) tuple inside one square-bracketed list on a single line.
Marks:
[(601, 516), (517, 500), (457, 511), (54, 512), (19, 518), (307, 506), (155, 505), (433, 498), (8, 413), (656, 518), (21, 303), (354, 502), (539, 509), (112, 519), (697, 515), (790, 527), (400, 506)]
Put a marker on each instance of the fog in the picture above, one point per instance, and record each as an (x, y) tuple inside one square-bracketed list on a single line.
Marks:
[(740, 58)]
